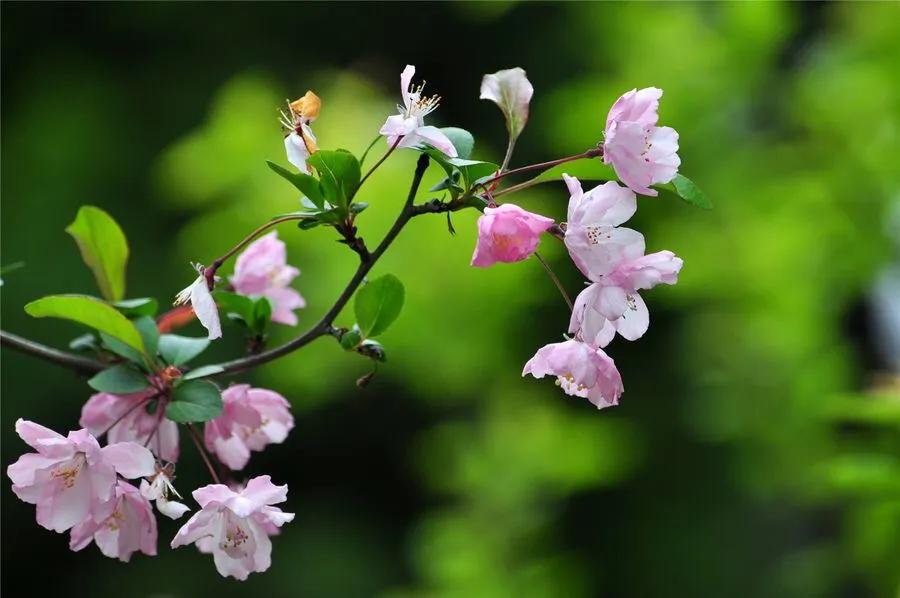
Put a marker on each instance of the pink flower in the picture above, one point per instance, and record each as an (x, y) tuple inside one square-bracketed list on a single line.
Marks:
[(131, 527), (613, 304), (232, 525), (580, 370), (641, 153), (130, 421), (71, 478), (594, 239), (204, 306), (251, 419), (409, 126), (507, 234), (262, 271)]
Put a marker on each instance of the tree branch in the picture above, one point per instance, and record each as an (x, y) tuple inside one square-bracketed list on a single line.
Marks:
[(76, 362)]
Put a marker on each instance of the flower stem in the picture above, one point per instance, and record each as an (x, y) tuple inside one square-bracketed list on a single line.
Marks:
[(555, 279), (195, 436), (377, 164), (591, 153)]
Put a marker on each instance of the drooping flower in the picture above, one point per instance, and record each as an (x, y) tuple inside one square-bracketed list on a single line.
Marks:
[(232, 525), (160, 489), (580, 370), (251, 419), (131, 527), (641, 153), (613, 304), (70, 478), (262, 270), (511, 90), (593, 237), (131, 422), (300, 143), (507, 234), (203, 304), (409, 126)]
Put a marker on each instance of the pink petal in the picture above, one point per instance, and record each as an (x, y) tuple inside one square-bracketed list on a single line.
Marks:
[(129, 459)]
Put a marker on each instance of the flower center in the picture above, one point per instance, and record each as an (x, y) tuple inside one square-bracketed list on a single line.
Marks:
[(419, 105), (597, 234), (68, 473)]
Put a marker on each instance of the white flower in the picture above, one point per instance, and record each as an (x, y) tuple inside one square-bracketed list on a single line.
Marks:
[(203, 304), (159, 490), (409, 126)]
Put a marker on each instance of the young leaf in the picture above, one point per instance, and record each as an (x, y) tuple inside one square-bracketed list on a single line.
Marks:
[(685, 188), (202, 372), (339, 174), (133, 308), (307, 185), (89, 311), (103, 248), (262, 313), (114, 345), (149, 333), (119, 380), (511, 90), (233, 305), (378, 304), (177, 350), (461, 139), (194, 401)]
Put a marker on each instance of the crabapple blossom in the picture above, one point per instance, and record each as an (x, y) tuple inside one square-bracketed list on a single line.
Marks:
[(580, 370), (131, 527), (511, 90), (251, 419), (613, 304), (70, 478), (300, 143), (262, 270), (203, 304), (507, 234), (408, 129), (593, 236), (125, 418), (232, 525), (641, 153), (160, 489)]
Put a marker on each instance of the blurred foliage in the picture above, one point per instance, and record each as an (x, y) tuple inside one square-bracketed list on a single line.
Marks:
[(750, 455)]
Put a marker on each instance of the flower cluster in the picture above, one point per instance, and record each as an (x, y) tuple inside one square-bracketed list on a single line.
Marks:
[(145, 389), (610, 256)]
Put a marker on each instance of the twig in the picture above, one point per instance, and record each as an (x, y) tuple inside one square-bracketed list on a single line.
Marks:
[(555, 279), (75, 362), (195, 436), (377, 164)]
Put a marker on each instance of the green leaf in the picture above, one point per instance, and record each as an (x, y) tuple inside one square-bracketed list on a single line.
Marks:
[(84, 342), (378, 304), (233, 305), (149, 333), (307, 184), (177, 350), (262, 314), (473, 170), (685, 188), (114, 345), (339, 175), (119, 380), (103, 248), (194, 401), (89, 311), (202, 372), (350, 339), (133, 308), (357, 207), (461, 139)]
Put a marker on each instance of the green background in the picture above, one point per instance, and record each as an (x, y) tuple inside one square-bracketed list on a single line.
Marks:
[(756, 451)]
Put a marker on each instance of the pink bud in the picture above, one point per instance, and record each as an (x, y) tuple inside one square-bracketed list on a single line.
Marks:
[(508, 234)]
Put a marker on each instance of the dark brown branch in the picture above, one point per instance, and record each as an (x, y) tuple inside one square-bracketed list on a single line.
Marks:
[(76, 362)]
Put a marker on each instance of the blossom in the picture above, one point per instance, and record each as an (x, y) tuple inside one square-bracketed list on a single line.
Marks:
[(70, 478), (614, 305), (508, 234), (641, 153), (232, 525), (580, 370), (409, 126), (593, 237), (300, 143), (511, 90), (262, 270), (203, 304), (131, 527), (251, 419), (160, 489), (125, 418)]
